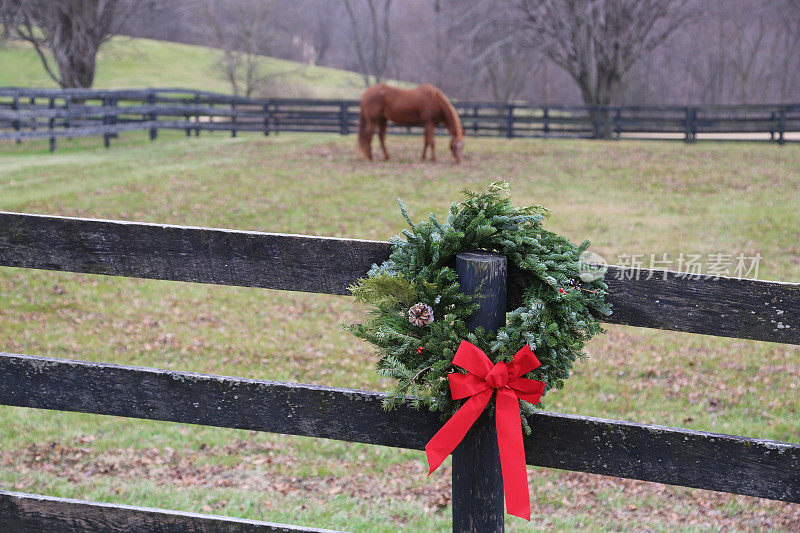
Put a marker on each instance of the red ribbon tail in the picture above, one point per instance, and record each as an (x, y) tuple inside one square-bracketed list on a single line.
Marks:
[(512, 455), (448, 437)]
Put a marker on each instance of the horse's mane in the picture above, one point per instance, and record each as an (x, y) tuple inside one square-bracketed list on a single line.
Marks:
[(451, 111)]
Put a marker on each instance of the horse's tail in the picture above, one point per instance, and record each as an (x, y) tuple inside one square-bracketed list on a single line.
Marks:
[(363, 136)]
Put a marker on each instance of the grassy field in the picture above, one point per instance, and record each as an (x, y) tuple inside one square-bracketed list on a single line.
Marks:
[(627, 197), (128, 62)]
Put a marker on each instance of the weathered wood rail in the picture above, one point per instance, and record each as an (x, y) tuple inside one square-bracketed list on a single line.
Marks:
[(65, 113), (659, 299), (768, 311), (33, 513)]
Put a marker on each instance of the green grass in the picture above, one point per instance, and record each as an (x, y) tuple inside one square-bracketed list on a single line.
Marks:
[(127, 62), (627, 197)]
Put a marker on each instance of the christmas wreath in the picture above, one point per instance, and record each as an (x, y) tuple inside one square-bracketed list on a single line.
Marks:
[(417, 313)]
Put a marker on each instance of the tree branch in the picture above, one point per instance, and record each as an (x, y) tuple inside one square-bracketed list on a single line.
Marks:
[(37, 45)]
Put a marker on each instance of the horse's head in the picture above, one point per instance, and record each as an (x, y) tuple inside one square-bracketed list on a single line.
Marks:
[(456, 146)]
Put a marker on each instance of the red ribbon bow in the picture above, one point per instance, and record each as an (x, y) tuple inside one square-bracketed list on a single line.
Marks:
[(482, 379)]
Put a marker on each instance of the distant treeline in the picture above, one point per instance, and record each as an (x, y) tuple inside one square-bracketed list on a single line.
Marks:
[(721, 52)]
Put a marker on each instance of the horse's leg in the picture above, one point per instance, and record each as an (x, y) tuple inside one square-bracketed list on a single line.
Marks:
[(370, 132), (429, 140), (382, 136)]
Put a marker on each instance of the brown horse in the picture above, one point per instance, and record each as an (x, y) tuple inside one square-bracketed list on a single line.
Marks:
[(422, 106)]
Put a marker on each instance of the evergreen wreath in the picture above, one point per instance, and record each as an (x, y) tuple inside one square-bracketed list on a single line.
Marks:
[(417, 312)]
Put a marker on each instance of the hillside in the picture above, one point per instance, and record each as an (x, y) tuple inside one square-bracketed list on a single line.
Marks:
[(128, 62)]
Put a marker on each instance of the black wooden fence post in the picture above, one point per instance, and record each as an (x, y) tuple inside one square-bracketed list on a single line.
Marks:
[(782, 125), (477, 481), (187, 116), (772, 118), (344, 119), (68, 111), (114, 116), (233, 119), (687, 126), (51, 123), (597, 124), (33, 119), (106, 121), (197, 114), (151, 99), (510, 121), (546, 121), (690, 125), (17, 123)]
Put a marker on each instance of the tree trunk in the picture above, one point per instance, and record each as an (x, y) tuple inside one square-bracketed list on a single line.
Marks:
[(72, 30), (75, 70)]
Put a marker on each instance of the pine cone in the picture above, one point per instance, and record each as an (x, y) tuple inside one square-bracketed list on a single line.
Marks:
[(420, 315)]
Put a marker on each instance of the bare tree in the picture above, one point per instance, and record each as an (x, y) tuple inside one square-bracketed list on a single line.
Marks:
[(750, 74), (8, 18), (598, 41), (371, 38), (503, 74), (736, 54), (241, 30), (495, 53), (68, 33), (321, 36), (786, 73), (428, 46), (164, 20)]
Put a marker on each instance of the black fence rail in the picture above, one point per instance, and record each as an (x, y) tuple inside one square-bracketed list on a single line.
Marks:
[(58, 113), (761, 310)]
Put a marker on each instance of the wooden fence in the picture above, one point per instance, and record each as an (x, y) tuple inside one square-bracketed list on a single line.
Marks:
[(58, 113), (728, 307)]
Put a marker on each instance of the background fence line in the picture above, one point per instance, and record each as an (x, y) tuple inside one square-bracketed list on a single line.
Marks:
[(59, 113)]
